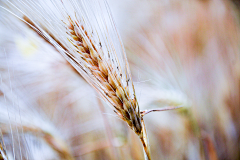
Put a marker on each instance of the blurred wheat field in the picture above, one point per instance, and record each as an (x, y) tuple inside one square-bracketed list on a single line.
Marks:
[(181, 53)]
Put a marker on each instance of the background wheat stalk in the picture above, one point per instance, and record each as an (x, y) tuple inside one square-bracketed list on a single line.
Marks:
[(52, 140)]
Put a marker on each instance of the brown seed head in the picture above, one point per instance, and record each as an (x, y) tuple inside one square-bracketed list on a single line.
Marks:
[(106, 74)]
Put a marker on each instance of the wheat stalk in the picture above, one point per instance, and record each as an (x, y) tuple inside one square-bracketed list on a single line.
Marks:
[(104, 72), (107, 74)]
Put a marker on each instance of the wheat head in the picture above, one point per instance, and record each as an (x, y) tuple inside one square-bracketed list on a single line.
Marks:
[(106, 73)]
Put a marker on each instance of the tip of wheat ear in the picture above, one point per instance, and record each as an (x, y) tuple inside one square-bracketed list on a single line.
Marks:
[(105, 73)]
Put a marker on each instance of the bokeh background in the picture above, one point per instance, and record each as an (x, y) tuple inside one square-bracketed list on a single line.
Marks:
[(181, 52)]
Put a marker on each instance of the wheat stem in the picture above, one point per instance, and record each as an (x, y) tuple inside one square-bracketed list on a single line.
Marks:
[(144, 139)]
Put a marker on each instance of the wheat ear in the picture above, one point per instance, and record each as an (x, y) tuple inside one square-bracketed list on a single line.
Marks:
[(110, 80), (118, 95)]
